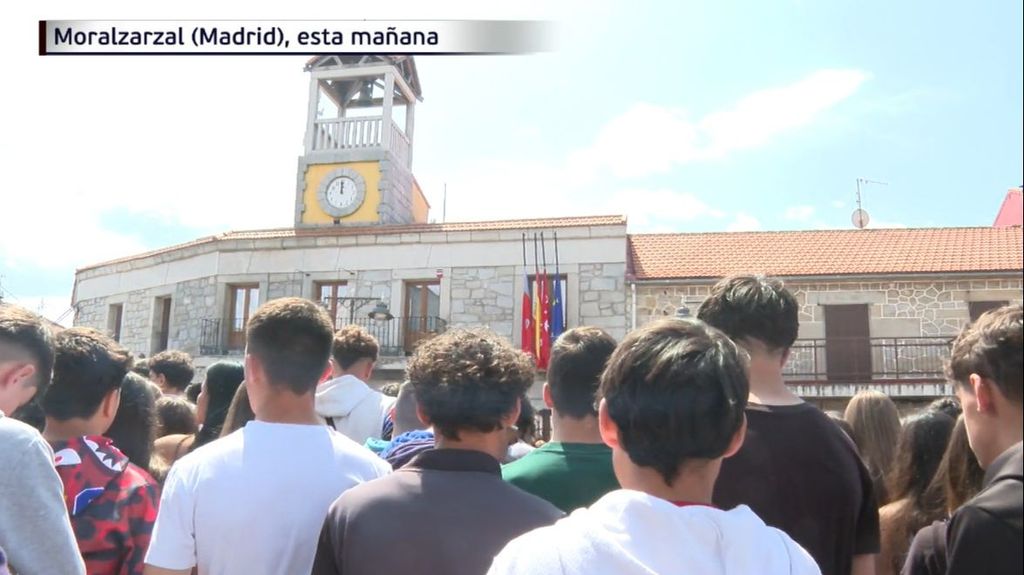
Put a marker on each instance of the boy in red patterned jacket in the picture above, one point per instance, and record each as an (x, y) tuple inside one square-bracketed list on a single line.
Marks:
[(112, 503)]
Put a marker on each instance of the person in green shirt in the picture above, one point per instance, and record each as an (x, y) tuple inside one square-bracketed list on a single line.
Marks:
[(574, 469)]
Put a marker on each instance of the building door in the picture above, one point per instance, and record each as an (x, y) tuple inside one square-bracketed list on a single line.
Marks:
[(421, 311), (847, 343), (164, 335), (244, 301)]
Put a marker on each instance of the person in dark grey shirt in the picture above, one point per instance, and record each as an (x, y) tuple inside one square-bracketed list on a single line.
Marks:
[(987, 365), (448, 511), (796, 469)]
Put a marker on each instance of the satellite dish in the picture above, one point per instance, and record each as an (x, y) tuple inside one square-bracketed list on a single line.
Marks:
[(860, 218)]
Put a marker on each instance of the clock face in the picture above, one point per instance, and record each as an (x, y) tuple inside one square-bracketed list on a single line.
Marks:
[(341, 192)]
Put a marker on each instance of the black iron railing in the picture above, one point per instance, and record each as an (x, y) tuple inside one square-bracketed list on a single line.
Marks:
[(213, 340), (864, 360)]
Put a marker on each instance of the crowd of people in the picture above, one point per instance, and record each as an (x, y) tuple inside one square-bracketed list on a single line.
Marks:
[(679, 449)]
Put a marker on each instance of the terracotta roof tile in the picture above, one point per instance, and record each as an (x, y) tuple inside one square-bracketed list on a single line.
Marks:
[(284, 233), (825, 252)]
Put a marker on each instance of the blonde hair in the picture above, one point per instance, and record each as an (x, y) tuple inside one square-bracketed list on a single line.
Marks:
[(876, 431)]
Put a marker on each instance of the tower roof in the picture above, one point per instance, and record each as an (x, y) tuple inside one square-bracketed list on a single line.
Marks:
[(405, 64)]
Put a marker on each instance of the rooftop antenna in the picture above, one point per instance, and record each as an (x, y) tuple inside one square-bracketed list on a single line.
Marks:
[(444, 204), (860, 216)]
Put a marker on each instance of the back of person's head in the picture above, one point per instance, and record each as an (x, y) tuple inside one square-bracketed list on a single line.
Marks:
[(405, 417), (87, 367), (391, 388), (239, 412), (676, 390), (134, 428), (290, 338), (175, 367), (753, 308), (987, 367), (922, 443), (193, 390), (959, 476), (948, 405), (353, 344), (838, 419), (992, 348), (26, 357), (219, 387), (578, 357), (526, 423), (175, 415), (876, 430), (141, 367), (468, 379)]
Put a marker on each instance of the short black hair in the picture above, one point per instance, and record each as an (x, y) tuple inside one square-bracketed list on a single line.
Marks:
[(753, 307), (468, 379), (676, 389), (993, 348), (578, 357), (175, 366), (88, 365), (948, 405), (292, 338), (27, 332), (353, 343)]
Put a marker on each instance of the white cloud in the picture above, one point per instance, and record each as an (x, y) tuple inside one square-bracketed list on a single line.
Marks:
[(765, 114), (659, 210), (650, 139), (743, 222), (838, 204), (799, 213)]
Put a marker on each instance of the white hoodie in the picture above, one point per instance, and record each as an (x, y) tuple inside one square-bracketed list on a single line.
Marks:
[(632, 533), (356, 410)]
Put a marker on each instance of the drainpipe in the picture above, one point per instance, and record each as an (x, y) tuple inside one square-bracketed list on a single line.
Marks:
[(632, 289)]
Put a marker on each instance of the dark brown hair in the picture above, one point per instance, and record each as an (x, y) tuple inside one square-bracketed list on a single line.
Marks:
[(468, 379), (959, 475), (134, 428), (239, 412), (578, 358), (992, 347), (876, 431), (353, 343), (292, 338), (87, 366), (754, 307), (676, 389), (175, 415), (175, 366)]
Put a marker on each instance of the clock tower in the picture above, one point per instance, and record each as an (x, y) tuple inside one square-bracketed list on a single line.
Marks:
[(356, 166)]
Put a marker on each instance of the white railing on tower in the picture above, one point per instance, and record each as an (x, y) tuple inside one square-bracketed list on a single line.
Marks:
[(331, 134), (400, 145)]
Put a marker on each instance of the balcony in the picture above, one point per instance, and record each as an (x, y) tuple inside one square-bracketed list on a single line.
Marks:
[(912, 360), (359, 133), (397, 337)]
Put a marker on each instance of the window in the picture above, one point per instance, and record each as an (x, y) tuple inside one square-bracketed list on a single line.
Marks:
[(977, 308), (329, 294), (115, 315), (421, 311), (847, 343), (245, 299), (161, 324), (563, 290)]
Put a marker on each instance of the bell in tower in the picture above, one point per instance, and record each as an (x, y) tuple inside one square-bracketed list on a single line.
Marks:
[(356, 166)]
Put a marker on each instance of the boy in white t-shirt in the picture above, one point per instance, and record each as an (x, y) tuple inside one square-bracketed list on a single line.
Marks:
[(671, 408), (254, 501)]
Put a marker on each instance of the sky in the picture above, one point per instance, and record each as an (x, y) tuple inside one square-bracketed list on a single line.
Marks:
[(684, 116)]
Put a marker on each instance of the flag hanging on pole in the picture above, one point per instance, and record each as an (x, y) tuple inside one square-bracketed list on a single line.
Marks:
[(545, 312), (528, 329), (557, 306), (536, 301)]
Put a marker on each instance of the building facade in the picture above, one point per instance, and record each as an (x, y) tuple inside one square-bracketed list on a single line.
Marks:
[(878, 307)]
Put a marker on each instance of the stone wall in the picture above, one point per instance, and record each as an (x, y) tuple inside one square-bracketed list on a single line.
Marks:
[(482, 297), (193, 302), (602, 297)]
